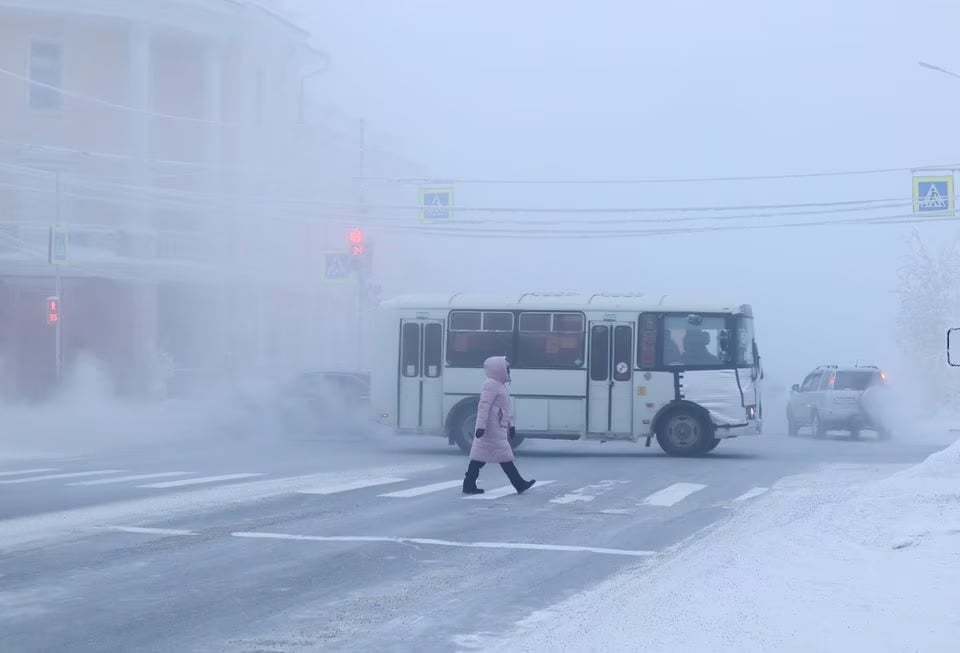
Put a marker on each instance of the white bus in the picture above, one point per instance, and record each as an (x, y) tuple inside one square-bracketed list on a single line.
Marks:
[(600, 367)]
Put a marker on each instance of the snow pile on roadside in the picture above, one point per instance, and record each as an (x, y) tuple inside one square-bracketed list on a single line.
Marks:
[(825, 562)]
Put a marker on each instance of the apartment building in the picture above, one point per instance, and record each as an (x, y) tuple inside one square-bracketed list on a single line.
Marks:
[(165, 136)]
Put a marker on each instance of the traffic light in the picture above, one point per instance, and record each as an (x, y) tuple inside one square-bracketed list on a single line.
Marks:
[(356, 242), (53, 310)]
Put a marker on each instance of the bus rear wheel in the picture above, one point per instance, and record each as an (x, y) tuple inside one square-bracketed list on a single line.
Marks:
[(685, 433), (463, 424)]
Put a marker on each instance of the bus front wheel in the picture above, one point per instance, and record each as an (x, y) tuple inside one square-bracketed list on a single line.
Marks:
[(685, 433)]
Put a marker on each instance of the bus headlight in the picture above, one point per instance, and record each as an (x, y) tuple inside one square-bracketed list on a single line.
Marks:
[(751, 412)]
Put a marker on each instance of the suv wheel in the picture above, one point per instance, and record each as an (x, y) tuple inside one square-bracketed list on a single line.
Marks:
[(816, 427)]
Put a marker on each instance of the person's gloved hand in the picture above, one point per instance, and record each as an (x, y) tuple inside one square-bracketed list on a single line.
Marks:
[(512, 432), (480, 432)]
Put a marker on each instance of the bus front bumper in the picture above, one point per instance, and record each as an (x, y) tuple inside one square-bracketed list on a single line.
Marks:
[(749, 427)]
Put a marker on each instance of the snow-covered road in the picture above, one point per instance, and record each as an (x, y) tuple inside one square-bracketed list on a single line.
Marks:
[(850, 558)]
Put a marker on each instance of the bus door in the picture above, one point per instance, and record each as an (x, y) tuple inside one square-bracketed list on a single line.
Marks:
[(420, 392), (610, 390)]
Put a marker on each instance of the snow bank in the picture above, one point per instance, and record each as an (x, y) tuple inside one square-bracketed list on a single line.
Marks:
[(834, 561)]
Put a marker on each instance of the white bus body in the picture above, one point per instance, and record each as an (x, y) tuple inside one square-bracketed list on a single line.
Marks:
[(600, 367)]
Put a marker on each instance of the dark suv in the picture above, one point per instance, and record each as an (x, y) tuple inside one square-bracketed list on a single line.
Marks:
[(840, 398)]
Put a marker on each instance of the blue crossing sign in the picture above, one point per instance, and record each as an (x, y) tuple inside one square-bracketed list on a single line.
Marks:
[(57, 246), (933, 196), (337, 267), (436, 204)]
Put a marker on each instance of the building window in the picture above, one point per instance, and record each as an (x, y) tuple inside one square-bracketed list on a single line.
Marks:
[(46, 75)]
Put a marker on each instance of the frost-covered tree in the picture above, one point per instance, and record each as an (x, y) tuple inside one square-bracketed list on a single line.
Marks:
[(929, 304)]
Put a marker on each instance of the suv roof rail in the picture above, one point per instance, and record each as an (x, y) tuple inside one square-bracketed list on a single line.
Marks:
[(824, 367), (872, 367)]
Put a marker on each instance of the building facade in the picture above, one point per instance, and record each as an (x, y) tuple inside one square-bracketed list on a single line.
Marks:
[(167, 138)]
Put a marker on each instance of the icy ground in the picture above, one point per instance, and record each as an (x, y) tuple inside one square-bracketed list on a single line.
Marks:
[(848, 559)]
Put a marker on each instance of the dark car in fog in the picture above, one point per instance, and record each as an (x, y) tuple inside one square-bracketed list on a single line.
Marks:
[(325, 402)]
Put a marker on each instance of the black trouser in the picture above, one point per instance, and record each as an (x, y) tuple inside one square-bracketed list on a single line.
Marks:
[(473, 472)]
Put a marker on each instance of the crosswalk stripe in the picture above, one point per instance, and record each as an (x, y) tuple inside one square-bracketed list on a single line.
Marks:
[(423, 489), (149, 531), (197, 481), (21, 472), (504, 491), (673, 494), (588, 493), (351, 485), (53, 477), (750, 494), (124, 479)]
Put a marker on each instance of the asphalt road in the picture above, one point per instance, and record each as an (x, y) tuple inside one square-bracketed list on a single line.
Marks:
[(352, 544)]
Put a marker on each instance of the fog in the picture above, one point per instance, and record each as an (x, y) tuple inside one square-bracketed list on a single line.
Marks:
[(612, 91), (750, 152)]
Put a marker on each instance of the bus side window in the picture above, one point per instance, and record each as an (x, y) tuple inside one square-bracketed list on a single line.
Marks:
[(599, 353), (551, 340), (410, 349), (432, 350), (647, 341), (474, 336)]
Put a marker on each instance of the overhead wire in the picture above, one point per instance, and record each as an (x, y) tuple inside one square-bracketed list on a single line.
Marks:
[(391, 218)]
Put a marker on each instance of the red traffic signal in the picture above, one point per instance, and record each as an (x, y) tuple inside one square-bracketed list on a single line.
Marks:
[(53, 310), (356, 241)]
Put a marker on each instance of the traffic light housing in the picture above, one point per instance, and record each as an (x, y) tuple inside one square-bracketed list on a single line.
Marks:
[(53, 310), (357, 242)]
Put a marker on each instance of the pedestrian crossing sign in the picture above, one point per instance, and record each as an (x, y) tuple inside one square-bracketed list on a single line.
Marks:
[(933, 196), (337, 267), (436, 204)]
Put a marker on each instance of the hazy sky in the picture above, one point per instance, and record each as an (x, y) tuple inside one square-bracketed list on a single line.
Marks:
[(690, 88)]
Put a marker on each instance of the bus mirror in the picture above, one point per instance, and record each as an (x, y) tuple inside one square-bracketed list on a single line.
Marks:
[(723, 340), (694, 320), (952, 359)]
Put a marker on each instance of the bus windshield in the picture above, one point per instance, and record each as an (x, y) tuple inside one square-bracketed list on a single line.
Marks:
[(693, 340)]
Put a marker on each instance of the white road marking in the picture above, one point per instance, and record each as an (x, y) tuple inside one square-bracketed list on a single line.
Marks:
[(198, 481), (45, 528), (503, 491), (21, 472), (588, 493), (423, 489), (136, 477), (53, 477), (750, 494), (673, 494), (148, 531), (516, 546), (336, 488)]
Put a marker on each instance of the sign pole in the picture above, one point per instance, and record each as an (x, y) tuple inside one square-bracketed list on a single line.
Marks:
[(361, 280), (57, 291)]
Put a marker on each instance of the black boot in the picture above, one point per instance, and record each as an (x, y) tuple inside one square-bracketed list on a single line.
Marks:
[(470, 478), (516, 480)]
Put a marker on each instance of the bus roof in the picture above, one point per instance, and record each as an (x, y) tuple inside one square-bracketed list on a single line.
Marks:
[(563, 302)]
